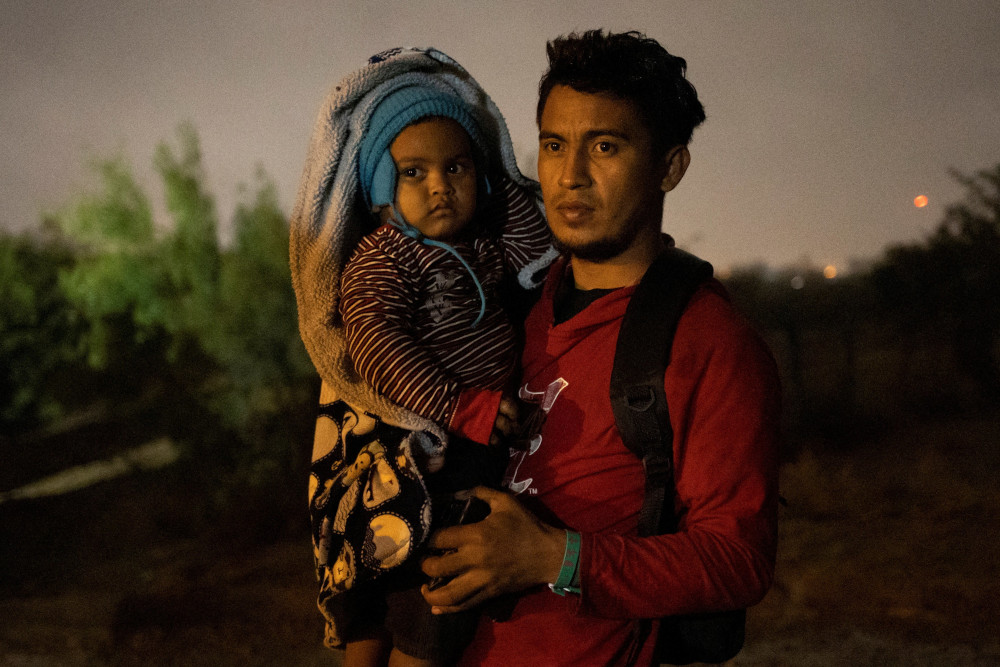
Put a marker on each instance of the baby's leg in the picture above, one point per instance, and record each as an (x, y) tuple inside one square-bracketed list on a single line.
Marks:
[(399, 659), (370, 652)]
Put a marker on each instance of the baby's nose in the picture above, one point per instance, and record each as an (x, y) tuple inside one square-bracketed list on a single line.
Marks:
[(441, 184)]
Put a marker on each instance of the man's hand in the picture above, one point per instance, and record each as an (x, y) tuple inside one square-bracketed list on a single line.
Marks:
[(508, 551), (506, 424)]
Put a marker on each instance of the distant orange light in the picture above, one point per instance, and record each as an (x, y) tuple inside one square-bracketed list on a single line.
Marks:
[(920, 201), (830, 271)]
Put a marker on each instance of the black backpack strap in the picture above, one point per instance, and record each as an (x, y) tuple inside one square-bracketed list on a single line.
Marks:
[(638, 401), (642, 355)]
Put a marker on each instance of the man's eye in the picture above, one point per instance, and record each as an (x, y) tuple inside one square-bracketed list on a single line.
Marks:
[(604, 147), (551, 146)]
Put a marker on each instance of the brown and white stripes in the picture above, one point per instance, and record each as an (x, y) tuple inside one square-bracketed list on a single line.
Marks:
[(408, 308)]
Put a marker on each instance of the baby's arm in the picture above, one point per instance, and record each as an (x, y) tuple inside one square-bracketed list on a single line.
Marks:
[(377, 309), (524, 234)]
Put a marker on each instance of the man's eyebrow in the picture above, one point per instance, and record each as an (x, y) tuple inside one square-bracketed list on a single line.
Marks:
[(589, 135), (609, 132)]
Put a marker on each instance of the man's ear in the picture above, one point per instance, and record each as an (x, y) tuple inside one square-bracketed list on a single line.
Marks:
[(677, 160)]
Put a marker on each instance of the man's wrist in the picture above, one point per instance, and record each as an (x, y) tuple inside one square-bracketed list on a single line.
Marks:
[(568, 579)]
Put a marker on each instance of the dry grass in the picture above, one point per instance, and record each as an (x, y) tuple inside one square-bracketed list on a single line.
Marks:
[(888, 555)]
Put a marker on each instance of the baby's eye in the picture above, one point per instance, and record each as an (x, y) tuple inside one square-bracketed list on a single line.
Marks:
[(410, 172), (462, 166)]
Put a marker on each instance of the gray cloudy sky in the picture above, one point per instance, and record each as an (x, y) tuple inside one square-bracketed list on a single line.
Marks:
[(825, 120)]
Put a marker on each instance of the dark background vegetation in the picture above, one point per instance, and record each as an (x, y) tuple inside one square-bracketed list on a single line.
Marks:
[(117, 330)]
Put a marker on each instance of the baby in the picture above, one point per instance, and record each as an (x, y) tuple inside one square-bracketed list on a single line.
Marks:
[(424, 310), (421, 296)]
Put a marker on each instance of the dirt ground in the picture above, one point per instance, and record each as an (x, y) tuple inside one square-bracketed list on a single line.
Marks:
[(888, 557)]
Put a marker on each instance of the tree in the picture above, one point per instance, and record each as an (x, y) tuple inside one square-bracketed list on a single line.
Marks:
[(37, 336), (949, 284), (172, 331), (190, 253), (255, 337), (116, 281)]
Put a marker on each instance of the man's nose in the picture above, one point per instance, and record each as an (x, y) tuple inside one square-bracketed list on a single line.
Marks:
[(575, 171)]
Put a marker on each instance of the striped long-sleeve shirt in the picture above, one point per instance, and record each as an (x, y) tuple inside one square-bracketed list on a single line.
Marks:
[(408, 310)]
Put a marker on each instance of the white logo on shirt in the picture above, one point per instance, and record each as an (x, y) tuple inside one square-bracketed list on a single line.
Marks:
[(543, 401)]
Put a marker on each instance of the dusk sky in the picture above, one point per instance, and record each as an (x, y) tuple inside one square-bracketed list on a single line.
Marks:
[(825, 119)]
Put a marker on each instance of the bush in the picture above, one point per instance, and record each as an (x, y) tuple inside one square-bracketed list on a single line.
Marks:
[(201, 340)]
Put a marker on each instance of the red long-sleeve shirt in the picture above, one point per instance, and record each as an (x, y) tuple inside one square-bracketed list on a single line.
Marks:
[(723, 394)]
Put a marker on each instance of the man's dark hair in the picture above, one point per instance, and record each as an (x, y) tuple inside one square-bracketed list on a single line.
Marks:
[(629, 66)]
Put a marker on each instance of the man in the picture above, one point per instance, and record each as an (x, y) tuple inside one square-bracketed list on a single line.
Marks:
[(615, 114)]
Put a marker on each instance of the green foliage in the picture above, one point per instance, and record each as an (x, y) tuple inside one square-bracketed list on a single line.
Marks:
[(201, 340), (255, 337), (190, 254), (36, 331), (115, 275)]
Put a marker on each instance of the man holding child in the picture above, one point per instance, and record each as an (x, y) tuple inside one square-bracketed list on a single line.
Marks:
[(615, 115)]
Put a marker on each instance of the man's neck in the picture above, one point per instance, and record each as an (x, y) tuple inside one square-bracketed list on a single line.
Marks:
[(620, 271)]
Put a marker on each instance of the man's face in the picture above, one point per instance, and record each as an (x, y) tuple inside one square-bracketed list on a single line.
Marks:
[(601, 181), (435, 177)]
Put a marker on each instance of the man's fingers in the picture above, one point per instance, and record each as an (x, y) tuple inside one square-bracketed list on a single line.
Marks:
[(492, 497), (504, 425), (482, 564), (508, 408), (446, 539), (460, 593), (465, 606)]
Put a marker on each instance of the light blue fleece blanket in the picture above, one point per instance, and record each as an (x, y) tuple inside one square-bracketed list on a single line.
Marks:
[(329, 215)]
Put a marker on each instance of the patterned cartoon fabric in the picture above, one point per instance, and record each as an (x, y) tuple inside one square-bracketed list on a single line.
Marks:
[(368, 505)]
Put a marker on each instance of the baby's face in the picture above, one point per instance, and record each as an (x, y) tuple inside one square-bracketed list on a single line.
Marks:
[(436, 177)]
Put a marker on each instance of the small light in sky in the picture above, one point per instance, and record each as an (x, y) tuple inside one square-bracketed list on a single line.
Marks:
[(920, 201), (830, 271)]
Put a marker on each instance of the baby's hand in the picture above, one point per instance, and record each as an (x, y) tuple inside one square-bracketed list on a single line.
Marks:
[(506, 424)]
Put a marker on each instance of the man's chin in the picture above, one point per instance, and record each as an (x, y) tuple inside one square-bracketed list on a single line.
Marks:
[(600, 250)]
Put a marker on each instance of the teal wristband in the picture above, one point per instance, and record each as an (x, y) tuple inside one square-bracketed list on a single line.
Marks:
[(571, 558)]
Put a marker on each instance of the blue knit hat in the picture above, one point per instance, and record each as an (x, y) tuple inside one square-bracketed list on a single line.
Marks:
[(398, 110)]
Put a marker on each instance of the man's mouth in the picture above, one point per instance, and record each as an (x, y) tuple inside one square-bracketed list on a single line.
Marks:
[(573, 211)]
